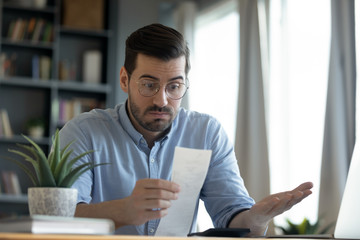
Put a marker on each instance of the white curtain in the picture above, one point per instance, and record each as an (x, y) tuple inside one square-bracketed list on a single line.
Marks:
[(339, 134), (251, 145)]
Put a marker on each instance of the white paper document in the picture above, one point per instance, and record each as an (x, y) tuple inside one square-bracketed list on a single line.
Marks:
[(189, 171)]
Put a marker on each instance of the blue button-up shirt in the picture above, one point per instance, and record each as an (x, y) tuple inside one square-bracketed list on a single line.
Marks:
[(115, 140)]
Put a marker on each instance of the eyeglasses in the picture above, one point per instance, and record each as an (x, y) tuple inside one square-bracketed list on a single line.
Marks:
[(174, 90)]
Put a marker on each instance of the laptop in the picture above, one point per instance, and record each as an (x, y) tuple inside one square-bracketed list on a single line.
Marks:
[(348, 222)]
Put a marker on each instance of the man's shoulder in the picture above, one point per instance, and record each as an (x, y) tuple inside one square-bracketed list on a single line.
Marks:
[(97, 115), (192, 115)]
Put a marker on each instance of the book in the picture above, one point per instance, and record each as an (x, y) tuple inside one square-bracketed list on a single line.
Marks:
[(30, 29), (11, 182), (35, 67), (45, 67), (15, 183), (6, 127), (5, 179), (42, 224), (38, 29)]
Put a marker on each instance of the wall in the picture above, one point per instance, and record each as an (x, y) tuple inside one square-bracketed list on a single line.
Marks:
[(132, 14)]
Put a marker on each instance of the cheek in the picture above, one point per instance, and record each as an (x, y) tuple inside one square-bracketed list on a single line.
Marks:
[(175, 104)]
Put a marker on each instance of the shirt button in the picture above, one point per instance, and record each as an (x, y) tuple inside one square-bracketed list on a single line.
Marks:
[(151, 230), (152, 160)]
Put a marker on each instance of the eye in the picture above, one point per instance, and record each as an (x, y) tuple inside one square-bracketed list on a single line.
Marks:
[(148, 84), (174, 86)]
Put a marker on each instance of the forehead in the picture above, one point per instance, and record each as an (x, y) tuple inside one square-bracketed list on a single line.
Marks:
[(157, 67)]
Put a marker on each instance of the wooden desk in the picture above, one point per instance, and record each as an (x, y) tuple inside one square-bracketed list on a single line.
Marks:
[(29, 236)]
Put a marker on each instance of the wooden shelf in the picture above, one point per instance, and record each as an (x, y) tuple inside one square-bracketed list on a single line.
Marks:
[(27, 44), (56, 84), (84, 32), (20, 139), (8, 198), (45, 10)]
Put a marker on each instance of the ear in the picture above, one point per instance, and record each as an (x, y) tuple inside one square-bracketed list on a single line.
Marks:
[(124, 80)]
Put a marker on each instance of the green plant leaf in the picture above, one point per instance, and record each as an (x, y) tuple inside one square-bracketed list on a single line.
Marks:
[(29, 173), (303, 226), (46, 176), (55, 170), (56, 150), (33, 162), (66, 147), (74, 160), (76, 173), (61, 169), (51, 158)]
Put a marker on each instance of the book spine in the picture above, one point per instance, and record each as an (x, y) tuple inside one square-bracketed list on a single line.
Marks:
[(6, 126), (6, 180), (1, 125), (15, 184), (35, 67)]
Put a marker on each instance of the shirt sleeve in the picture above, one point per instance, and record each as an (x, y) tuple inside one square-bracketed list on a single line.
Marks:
[(224, 193), (72, 132)]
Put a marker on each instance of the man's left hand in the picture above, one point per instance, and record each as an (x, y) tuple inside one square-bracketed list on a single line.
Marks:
[(261, 213)]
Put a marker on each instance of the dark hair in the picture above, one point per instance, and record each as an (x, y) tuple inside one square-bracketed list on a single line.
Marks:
[(158, 41)]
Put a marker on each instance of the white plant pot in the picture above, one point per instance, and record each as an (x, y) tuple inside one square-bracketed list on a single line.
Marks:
[(36, 132), (52, 201)]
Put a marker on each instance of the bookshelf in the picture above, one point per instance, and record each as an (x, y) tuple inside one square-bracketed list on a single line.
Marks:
[(42, 71)]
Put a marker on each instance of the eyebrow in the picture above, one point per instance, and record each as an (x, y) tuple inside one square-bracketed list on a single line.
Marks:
[(155, 78)]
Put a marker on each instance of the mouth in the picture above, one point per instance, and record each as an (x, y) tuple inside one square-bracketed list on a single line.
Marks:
[(159, 115)]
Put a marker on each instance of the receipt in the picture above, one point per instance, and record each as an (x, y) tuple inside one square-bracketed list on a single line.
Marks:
[(189, 171)]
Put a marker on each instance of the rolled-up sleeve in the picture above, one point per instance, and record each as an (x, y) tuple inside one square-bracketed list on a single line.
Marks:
[(224, 193)]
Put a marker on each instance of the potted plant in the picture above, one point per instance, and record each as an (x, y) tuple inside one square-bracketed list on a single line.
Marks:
[(305, 227), (52, 176), (35, 127)]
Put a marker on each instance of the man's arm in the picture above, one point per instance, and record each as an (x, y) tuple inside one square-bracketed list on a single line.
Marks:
[(138, 208), (258, 216)]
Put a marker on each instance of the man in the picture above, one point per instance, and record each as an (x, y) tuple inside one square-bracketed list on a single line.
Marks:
[(138, 138)]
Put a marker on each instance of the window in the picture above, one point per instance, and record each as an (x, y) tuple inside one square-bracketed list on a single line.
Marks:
[(214, 77), (295, 93), (299, 60)]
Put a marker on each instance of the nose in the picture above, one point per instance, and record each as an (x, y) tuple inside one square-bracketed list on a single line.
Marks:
[(160, 98)]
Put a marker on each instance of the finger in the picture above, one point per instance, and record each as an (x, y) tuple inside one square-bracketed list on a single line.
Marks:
[(160, 194), (146, 215), (297, 197), (155, 214), (157, 204), (304, 186), (160, 184)]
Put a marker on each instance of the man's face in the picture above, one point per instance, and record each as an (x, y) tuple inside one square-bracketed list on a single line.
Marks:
[(156, 113)]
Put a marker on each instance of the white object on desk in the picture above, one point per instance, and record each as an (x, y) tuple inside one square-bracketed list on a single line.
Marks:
[(57, 225)]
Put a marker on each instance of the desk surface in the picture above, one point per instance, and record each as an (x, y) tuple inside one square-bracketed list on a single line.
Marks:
[(29, 236)]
